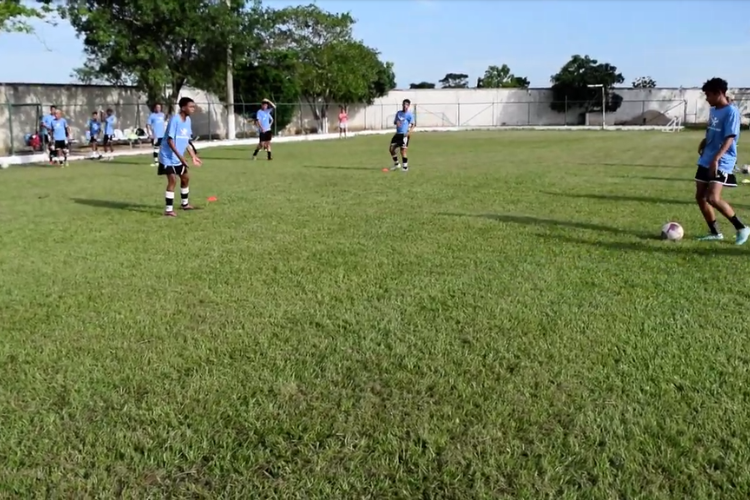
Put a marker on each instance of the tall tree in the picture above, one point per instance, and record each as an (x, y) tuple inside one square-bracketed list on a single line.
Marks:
[(160, 44), (455, 81), (333, 67), (422, 85), (497, 77), (572, 85), (644, 82), (15, 15), (271, 76)]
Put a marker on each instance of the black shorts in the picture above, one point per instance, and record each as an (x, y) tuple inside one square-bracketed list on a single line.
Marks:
[(46, 138), (400, 140), (723, 178), (156, 142), (93, 139), (60, 145), (106, 139), (171, 169), (266, 136)]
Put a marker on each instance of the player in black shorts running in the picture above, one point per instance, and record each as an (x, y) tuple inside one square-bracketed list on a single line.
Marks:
[(404, 122)]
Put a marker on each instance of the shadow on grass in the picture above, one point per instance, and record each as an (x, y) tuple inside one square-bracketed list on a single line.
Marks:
[(688, 201), (527, 220), (713, 249), (116, 205), (654, 178), (627, 165), (334, 167)]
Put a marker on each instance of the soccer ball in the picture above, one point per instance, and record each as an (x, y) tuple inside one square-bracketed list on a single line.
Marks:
[(672, 231), (745, 169), (4, 165)]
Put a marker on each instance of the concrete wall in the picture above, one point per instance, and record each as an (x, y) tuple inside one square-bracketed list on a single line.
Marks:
[(21, 105)]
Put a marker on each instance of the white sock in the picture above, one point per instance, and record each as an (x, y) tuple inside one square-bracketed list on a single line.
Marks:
[(169, 198)]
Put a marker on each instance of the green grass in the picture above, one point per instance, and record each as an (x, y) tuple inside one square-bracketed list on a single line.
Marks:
[(501, 322)]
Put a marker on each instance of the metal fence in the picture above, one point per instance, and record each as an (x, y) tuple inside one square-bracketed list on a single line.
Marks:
[(18, 121)]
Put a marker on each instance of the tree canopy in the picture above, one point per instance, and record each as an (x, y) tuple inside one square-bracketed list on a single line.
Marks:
[(128, 42), (15, 15), (455, 81), (644, 82), (330, 65), (497, 77), (578, 85)]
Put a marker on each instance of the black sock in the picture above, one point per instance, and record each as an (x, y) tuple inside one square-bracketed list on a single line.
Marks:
[(736, 222), (255, 153), (405, 161), (156, 154), (713, 228), (395, 159), (269, 155)]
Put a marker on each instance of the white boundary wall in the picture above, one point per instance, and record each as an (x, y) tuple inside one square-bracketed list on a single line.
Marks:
[(43, 157)]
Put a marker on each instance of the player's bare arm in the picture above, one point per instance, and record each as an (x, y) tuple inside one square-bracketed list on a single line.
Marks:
[(702, 146)]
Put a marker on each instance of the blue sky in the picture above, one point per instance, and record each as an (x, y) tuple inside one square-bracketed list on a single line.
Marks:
[(667, 40)]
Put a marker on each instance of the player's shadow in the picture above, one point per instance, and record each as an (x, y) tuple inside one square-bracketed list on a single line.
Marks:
[(528, 220), (336, 167), (669, 248), (627, 165), (115, 205), (688, 201), (653, 178)]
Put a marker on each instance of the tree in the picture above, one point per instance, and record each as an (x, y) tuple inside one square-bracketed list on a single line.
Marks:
[(422, 85), (454, 81), (160, 44), (644, 82), (332, 67), (570, 86), (500, 77), (15, 15), (272, 76)]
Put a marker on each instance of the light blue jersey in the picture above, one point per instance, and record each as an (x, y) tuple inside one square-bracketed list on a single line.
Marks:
[(264, 119), (59, 129), (180, 132), (156, 122), (109, 125), (403, 121), (94, 127), (47, 122), (722, 124)]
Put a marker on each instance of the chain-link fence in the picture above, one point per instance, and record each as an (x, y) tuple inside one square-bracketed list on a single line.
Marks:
[(20, 121)]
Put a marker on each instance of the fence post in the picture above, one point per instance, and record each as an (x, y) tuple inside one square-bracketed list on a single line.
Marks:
[(210, 134), (10, 127), (566, 111), (494, 117), (458, 114)]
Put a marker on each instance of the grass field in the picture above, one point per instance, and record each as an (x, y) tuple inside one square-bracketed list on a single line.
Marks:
[(501, 322)]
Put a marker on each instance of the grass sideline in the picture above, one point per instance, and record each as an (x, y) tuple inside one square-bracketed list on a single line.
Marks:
[(501, 322)]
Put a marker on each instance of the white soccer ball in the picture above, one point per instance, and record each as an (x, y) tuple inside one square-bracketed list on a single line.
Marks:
[(745, 169), (672, 231), (4, 165)]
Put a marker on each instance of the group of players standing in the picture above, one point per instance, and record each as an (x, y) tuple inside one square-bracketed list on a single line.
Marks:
[(56, 135)]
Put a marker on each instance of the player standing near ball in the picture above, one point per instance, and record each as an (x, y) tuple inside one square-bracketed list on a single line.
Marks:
[(264, 120), (718, 156), (155, 128), (172, 163), (404, 122)]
